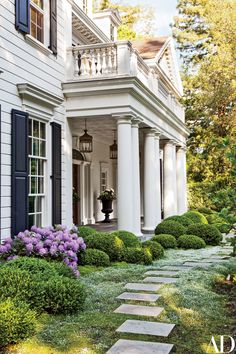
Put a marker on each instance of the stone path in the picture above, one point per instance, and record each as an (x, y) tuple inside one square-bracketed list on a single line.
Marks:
[(146, 292)]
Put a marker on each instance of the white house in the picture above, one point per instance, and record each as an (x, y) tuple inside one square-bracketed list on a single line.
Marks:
[(61, 68)]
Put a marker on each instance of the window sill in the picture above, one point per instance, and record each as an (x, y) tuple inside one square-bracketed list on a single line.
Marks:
[(38, 45)]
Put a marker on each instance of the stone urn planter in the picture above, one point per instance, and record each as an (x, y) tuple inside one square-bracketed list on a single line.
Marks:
[(107, 210), (107, 198)]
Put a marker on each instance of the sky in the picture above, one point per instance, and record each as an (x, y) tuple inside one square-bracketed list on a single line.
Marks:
[(164, 10)]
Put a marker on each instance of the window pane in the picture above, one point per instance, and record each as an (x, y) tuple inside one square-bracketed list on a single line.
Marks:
[(42, 131), (30, 127), (39, 220), (38, 204), (31, 204), (33, 14), (42, 148), (39, 3), (31, 221), (40, 185), (40, 168), (30, 146), (35, 147), (36, 129), (33, 30), (33, 167), (33, 185)]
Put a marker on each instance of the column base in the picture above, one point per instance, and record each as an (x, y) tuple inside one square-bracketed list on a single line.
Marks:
[(148, 229)]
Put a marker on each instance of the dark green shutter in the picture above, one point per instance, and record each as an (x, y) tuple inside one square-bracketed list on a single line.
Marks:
[(19, 181), (53, 26), (22, 15), (56, 173)]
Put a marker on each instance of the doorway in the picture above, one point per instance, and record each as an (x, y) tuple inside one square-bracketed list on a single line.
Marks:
[(76, 195)]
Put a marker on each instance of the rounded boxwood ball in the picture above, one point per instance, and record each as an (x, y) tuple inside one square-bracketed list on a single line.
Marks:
[(210, 234), (156, 249), (191, 241), (196, 217), (94, 257), (129, 239), (108, 243), (137, 255), (171, 228), (167, 241), (183, 220), (85, 231)]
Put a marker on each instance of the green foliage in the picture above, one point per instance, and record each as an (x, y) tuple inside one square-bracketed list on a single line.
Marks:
[(108, 243), (196, 217), (210, 234), (223, 228), (227, 216), (94, 257), (17, 322), (207, 211), (129, 239), (157, 251), (137, 255), (171, 228), (183, 220), (167, 241), (64, 295), (191, 241), (85, 231), (32, 287), (215, 219)]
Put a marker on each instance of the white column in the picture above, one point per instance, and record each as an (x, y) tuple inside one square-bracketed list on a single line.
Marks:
[(150, 192), (158, 179), (91, 219), (169, 156), (181, 180), (125, 175), (136, 177)]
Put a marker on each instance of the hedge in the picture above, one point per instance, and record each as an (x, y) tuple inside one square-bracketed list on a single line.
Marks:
[(137, 255), (191, 241), (171, 228), (165, 240), (196, 217), (156, 249), (129, 239), (210, 234), (108, 243), (94, 257)]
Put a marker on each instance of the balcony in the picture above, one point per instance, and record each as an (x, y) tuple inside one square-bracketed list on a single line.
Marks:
[(120, 59)]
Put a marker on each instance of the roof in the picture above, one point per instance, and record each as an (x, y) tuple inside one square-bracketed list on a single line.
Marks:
[(149, 48)]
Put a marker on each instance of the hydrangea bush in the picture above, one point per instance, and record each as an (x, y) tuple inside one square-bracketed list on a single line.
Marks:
[(57, 243)]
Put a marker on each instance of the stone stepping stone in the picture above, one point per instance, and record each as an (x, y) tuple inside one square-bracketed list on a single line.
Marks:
[(139, 297), (139, 310), (198, 264), (160, 280), (142, 287), (146, 327), (219, 257), (177, 267), (125, 346), (162, 272)]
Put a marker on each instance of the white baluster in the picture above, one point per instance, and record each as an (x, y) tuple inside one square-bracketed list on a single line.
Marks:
[(104, 66), (83, 64), (76, 56), (109, 61), (99, 67), (114, 55), (93, 62)]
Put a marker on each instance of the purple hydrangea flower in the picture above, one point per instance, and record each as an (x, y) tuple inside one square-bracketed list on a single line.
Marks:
[(29, 247)]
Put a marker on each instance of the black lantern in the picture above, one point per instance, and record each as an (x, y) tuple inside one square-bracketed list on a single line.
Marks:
[(113, 149), (86, 141)]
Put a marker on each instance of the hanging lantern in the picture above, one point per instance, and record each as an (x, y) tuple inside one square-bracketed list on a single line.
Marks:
[(113, 149), (86, 141)]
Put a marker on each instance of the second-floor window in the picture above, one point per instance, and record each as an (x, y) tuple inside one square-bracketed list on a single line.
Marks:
[(37, 19)]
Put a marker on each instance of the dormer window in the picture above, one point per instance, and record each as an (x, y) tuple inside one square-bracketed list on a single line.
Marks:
[(85, 6), (37, 19)]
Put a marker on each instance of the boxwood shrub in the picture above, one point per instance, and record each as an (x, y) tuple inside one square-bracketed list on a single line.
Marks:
[(94, 257), (17, 322), (165, 240), (196, 217), (191, 241), (223, 228), (85, 231), (156, 249), (207, 211), (129, 239), (137, 255), (210, 234), (171, 228), (183, 220), (108, 243)]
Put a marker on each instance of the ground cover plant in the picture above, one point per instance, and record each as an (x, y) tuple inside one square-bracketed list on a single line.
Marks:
[(192, 303)]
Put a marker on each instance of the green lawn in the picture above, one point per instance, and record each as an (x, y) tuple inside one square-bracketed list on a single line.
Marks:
[(192, 303)]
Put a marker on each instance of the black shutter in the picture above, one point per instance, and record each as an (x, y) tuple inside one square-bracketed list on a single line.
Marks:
[(0, 170), (53, 26), (56, 173), (19, 182), (22, 8)]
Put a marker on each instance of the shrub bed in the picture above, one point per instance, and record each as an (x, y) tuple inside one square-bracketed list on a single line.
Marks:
[(57, 243), (191, 241), (171, 228), (196, 217), (157, 251), (210, 234), (108, 243), (129, 239), (17, 322), (94, 257), (137, 255), (85, 231), (165, 240)]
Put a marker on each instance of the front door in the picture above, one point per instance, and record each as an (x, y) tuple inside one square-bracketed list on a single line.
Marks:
[(76, 195)]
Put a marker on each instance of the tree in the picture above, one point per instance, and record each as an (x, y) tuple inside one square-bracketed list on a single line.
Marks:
[(206, 39)]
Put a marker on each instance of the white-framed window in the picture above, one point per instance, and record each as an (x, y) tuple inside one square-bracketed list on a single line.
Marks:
[(85, 6), (37, 19), (103, 181), (37, 167)]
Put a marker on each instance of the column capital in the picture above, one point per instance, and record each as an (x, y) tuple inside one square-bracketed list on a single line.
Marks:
[(150, 131), (125, 119), (182, 148), (158, 134), (168, 142), (136, 121)]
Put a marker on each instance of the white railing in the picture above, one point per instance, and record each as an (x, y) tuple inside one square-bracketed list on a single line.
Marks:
[(118, 59)]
